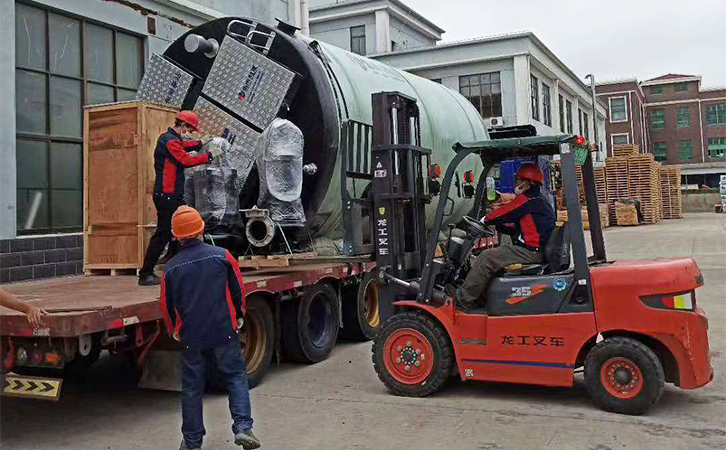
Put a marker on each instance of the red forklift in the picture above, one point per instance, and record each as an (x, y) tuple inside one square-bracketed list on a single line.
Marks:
[(630, 326)]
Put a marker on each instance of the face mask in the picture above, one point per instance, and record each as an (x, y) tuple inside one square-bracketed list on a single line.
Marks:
[(520, 188)]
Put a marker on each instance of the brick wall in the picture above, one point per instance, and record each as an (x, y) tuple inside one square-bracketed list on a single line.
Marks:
[(31, 258)]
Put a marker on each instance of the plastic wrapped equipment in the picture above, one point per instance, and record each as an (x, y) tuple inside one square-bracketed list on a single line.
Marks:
[(279, 165)]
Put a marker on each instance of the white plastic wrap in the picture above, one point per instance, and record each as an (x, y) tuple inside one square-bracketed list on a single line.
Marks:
[(279, 164), (212, 190)]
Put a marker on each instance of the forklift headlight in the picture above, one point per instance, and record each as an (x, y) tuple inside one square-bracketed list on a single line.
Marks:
[(685, 301)]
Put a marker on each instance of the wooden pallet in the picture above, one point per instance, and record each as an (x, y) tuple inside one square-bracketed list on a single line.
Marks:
[(671, 196), (264, 261), (626, 215), (644, 184), (110, 272), (616, 182), (626, 150)]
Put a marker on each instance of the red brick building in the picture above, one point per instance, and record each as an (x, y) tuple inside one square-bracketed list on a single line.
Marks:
[(672, 117)]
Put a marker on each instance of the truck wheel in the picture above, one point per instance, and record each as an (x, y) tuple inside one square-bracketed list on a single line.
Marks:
[(361, 314), (412, 354), (624, 376), (310, 326), (258, 339)]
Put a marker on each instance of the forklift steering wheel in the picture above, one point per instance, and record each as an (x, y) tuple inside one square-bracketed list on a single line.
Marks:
[(475, 227)]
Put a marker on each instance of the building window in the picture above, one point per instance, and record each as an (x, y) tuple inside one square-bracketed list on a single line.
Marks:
[(484, 91), (716, 114), (57, 72), (546, 105), (685, 150), (620, 139), (656, 90), (660, 151), (534, 96), (358, 40), (681, 87), (394, 46), (585, 126), (618, 110), (569, 115), (561, 107), (717, 148), (657, 119), (683, 117)]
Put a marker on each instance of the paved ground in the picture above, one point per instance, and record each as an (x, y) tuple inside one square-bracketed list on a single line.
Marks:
[(340, 404)]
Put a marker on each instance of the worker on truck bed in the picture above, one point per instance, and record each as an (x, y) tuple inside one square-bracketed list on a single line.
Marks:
[(170, 158), (33, 313), (528, 219), (203, 302)]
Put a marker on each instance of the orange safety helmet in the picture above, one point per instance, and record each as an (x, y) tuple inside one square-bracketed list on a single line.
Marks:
[(531, 172), (186, 222), (190, 118)]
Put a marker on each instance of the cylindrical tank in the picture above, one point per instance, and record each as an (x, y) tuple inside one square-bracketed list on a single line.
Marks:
[(336, 86)]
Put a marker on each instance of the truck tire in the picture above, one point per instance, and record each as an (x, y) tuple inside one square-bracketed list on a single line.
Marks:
[(361, 312), (258, 339), (310, 326), (624, 376), (412, 354)]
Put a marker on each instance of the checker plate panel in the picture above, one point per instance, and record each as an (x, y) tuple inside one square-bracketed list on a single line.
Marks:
[(247, 83), (164, 83), (213, 120)]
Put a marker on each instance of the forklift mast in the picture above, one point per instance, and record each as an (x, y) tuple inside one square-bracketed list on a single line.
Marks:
[(400, 192)]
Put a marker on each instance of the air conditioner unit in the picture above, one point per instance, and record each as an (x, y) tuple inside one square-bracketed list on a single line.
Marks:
[(494, 122)]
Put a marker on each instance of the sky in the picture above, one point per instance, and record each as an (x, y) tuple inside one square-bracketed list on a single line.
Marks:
[(609, 38)]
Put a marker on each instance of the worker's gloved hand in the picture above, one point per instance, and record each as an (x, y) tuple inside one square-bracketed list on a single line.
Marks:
[(216, 152), (240, 322), (175, 335)]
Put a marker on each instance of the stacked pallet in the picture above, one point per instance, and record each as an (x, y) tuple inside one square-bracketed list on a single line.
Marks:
[(600, 185), (671, 192), (626, 150), (562, 217), (644, 184), (616, 182)]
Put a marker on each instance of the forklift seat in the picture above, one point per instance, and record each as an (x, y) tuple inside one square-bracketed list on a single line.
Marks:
[(556, 255)]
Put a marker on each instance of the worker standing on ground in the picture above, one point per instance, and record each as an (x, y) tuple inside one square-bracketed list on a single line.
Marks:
[(528, 219), (203, 303), (33, 313), (171, 157)]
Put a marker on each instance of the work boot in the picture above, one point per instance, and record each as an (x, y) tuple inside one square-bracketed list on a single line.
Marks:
[(454, 292), (149, 280), (247, 440), (184, 446)]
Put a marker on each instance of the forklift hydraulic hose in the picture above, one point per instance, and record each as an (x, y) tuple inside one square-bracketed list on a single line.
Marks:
[(415, 286)]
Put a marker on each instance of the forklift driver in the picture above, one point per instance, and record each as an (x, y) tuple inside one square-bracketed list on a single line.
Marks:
[(528, 219)]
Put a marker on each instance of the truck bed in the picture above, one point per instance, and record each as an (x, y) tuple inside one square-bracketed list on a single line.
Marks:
[(104, 302)]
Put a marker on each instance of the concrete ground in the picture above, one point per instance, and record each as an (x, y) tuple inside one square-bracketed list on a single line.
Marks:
[(340, 404)]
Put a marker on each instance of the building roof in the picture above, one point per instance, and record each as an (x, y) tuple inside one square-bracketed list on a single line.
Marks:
[(617, 81), (670, 78), (398, 3)]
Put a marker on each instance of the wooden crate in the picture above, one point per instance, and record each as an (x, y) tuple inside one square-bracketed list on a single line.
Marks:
[(118, 181)]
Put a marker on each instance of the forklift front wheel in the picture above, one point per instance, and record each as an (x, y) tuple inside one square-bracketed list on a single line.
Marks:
[(624, 376), (412, 354)]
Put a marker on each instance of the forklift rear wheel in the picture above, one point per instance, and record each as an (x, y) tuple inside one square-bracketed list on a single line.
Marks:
[(624, 376), (258, 339), (310, 326), (362, 314), (412, 354)]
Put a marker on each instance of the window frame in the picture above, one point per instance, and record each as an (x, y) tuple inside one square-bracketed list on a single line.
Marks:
[(678, 117), (656, 154), (568, 108), (546, 104), (612, 140), (360, 39), (561, 107), (678, 86), (492, 94), (722, 142), (718, 116), (690, 145), (86, 82), (652, 124), (534, 96), (660, 88), (625, 108), (585, 126)]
